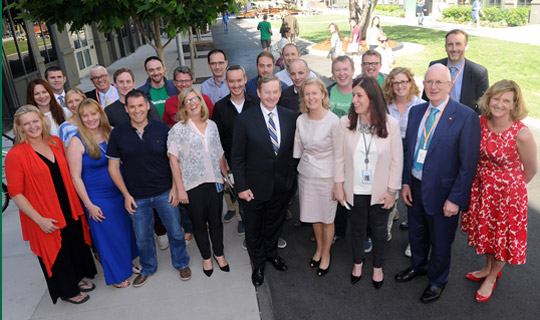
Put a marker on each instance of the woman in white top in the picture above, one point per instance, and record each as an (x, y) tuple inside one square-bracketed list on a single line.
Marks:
[(198, 163), (314, 142), (68, 129), (369, 163), (336, 48), (373, 32), (39, 93)]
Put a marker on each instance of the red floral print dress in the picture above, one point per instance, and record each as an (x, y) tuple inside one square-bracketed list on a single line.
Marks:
[(497, 217)]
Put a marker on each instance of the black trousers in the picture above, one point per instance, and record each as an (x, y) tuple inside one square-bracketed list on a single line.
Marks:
[(205, 206), (264, 222), (362, 215)]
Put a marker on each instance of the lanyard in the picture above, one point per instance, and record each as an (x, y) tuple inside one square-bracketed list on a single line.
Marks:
[(457, 75), (99, 100), (427, 135), (367, 147)]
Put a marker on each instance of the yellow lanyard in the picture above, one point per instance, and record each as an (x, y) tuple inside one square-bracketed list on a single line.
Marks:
[(457, 75)]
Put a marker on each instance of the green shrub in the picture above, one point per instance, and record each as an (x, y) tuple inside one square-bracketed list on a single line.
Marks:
[(495, 17), (389, 10)]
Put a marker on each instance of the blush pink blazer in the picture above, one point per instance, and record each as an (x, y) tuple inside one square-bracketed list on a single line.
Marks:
[(389, 162)]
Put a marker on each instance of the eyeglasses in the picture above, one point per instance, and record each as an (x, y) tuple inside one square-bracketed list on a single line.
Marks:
[(400, 83), (438, 84), (385, 40), (184, 81), (370, 64), (219, 63), (101, 77), (192, 100)]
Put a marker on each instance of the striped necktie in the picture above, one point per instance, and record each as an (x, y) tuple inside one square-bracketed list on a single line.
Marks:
[(61, 100), (273, 133)]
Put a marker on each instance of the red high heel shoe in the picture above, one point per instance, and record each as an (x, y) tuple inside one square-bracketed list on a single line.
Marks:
[(481, 298), (472, 277)]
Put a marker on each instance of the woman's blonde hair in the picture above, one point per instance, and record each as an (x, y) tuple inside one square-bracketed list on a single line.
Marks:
[(325, 99), (519, 112), (182, 115), (20, 136), (94, 149), (74, 91), (388, 88)]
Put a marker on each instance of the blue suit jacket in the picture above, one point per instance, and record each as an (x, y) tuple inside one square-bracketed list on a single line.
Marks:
[(452, 156)]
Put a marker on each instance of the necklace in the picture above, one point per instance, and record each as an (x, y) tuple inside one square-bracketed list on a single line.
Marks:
[(365, 128)]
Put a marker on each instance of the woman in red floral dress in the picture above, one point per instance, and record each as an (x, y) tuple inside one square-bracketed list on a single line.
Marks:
[(497, 218)]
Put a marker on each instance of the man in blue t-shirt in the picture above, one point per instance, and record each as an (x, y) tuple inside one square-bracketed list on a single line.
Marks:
[(141, 146)]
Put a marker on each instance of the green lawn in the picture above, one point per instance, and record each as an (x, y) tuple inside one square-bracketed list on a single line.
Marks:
[(503, 59), (9, 46)]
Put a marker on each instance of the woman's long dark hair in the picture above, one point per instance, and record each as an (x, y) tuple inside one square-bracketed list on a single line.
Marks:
[(377, 106), (56, 109)]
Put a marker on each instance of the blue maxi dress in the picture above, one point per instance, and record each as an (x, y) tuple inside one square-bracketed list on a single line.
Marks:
[(113, 237)]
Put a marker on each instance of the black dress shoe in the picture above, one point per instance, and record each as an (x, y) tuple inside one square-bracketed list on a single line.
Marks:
[(225, 268), (355, 279), (322, 272), (278, 263), (257, 277), (377, 284), (314, 263), (431, 294), (404, 225), (408, 274), (208, 273)]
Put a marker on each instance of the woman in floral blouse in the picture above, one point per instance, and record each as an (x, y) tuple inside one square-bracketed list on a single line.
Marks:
[(198, 162)]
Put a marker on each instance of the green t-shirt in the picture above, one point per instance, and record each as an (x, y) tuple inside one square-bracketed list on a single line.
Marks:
[(380, 80), (159, 96), (339, 102), (265, 27)]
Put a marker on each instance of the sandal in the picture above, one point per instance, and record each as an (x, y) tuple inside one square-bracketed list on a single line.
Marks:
[(136, 269), (86, 286), (122, 285), (75, 300)]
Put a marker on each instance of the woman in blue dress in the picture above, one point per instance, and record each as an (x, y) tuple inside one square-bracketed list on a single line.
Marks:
[(109, 221)]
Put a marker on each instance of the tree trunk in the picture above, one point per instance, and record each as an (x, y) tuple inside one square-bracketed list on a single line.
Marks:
[(192, 50), (365, 19)]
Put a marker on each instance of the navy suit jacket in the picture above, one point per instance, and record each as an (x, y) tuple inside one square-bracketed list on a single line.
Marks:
[(450, 165), (253, 162), (475, 83)]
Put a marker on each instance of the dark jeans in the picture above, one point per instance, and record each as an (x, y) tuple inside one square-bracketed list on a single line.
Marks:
[(362, 215), (205, 206)]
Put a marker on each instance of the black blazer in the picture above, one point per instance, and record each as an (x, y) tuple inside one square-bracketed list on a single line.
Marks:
[(475, 83), (253, 162), (91, 94)]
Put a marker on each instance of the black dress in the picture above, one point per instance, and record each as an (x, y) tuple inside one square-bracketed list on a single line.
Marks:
[(74, 261)]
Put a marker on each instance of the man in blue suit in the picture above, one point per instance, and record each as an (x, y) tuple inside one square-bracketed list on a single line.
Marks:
[(442, 145), (264, 171)]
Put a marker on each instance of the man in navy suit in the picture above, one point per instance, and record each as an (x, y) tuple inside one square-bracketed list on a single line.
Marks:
[(470, 80), (264, 170), (442, 145)]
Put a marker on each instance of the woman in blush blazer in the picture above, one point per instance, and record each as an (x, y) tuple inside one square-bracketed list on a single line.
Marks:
[(369, 161)]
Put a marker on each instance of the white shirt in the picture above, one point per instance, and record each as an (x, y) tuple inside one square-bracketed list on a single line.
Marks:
[(239, 107), (275, 117)]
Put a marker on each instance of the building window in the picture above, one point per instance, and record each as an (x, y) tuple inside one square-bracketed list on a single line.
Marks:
[(45, 44), (15, 44)]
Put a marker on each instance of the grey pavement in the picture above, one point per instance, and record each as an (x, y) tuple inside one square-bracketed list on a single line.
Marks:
[(283, 296)]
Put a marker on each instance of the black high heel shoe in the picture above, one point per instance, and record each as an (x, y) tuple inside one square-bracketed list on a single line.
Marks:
[(377, 284), (322, 272), (314, 263), (355, 279), (225, 268), (208, 273)]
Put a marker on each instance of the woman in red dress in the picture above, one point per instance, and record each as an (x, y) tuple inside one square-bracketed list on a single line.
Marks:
[(497, 218)]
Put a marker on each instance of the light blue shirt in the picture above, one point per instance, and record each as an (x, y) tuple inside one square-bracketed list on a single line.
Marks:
[(216, 91), (455, 93), (403, 118), (415, 173)]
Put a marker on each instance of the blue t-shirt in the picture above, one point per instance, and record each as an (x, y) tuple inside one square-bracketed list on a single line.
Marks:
[(145, 161)]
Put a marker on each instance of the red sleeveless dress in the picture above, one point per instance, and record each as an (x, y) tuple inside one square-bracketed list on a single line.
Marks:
[(497, 217)]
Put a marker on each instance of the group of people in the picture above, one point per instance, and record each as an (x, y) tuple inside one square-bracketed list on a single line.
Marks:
[(350, 151)]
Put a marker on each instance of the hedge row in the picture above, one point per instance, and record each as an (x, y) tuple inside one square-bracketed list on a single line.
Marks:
[(389, 10), (495, 17)]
